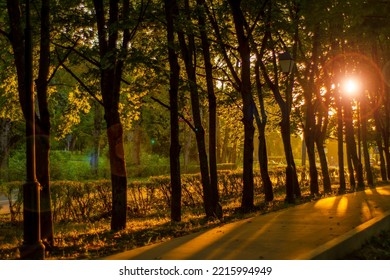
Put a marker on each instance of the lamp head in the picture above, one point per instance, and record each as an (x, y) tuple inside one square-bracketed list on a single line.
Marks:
[(286, 62)]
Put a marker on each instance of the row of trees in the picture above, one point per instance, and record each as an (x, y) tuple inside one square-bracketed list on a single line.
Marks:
[(117, 56)]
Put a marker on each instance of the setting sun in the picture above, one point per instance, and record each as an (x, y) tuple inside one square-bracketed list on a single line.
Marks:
[(351, 86)]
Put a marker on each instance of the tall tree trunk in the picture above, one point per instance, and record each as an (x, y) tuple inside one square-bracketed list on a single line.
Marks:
[(212, 111), (381, 156), (43, 128), (386, 149), (218, 144), (171, 12), (367, 165), (5, 138), (340, 145), (36, 150), (309, 135), (290, 170), (383, 129), (312, 165), (118, 170), (324, 165), (261, 123), (310, 129), (187, 148), (189, 57), (351, 146), (110, 81), (263, 161), (247, 201), (351, 171)]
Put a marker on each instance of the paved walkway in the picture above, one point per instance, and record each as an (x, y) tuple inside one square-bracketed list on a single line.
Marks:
[(3, 204), (287, 234)]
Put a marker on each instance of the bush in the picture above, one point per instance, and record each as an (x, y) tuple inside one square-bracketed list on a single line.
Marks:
[(79, 201), (14, 193), (91, 200)]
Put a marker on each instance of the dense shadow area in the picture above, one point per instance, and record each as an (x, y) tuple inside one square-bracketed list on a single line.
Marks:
[(377, 248)]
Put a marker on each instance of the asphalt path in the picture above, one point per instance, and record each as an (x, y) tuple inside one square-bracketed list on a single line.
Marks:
[(3, 205)]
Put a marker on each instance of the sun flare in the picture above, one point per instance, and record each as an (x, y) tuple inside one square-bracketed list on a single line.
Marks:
[(351, 86)]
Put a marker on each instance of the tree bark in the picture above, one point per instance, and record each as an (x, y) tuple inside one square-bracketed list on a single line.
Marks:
[(324, 165), (310, 129), (309, 135), (110, 79), (351, 146), (5, 138), (188, 54), (247, 201), (340, 145), (42, 120), (171, 13), (381, 156), (212, 111), (43, 128), (261, 124), (364, 118), (290, 170)]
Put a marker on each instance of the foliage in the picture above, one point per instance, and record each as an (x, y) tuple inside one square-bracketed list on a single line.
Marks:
[(77, 104), (9, 104)]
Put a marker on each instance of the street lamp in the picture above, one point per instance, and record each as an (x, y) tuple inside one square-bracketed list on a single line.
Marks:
[(286, 64)]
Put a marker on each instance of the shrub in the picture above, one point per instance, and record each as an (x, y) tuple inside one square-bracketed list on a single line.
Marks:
[(91, 200), (14, 193)]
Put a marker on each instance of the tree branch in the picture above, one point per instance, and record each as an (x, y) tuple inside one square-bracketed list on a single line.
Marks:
[(61, 61), (86, 88), (5, 34), (169, 108)]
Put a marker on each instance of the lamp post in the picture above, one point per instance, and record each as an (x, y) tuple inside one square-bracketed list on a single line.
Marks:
[(32, 247), (286, 64)]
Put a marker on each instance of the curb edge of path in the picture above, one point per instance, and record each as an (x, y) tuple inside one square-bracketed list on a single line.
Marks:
[(345, 244)]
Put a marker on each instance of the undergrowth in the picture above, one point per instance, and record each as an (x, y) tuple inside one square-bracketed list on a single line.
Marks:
[(95, 240)]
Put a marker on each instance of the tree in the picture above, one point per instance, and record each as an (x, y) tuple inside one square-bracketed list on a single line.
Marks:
[(43, 118), (212, 109), (261, 118), (284, 103), (187, 47), (174, 151), (245, 87), (112, 60), (43, 127)]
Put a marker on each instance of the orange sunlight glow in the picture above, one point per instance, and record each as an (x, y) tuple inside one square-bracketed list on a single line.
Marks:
[(351, 86)]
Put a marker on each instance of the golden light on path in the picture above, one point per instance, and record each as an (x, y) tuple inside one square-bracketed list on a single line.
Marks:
[(338, 205), (342, 206)]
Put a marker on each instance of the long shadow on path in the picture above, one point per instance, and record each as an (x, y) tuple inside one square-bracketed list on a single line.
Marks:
[(287, 234)]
